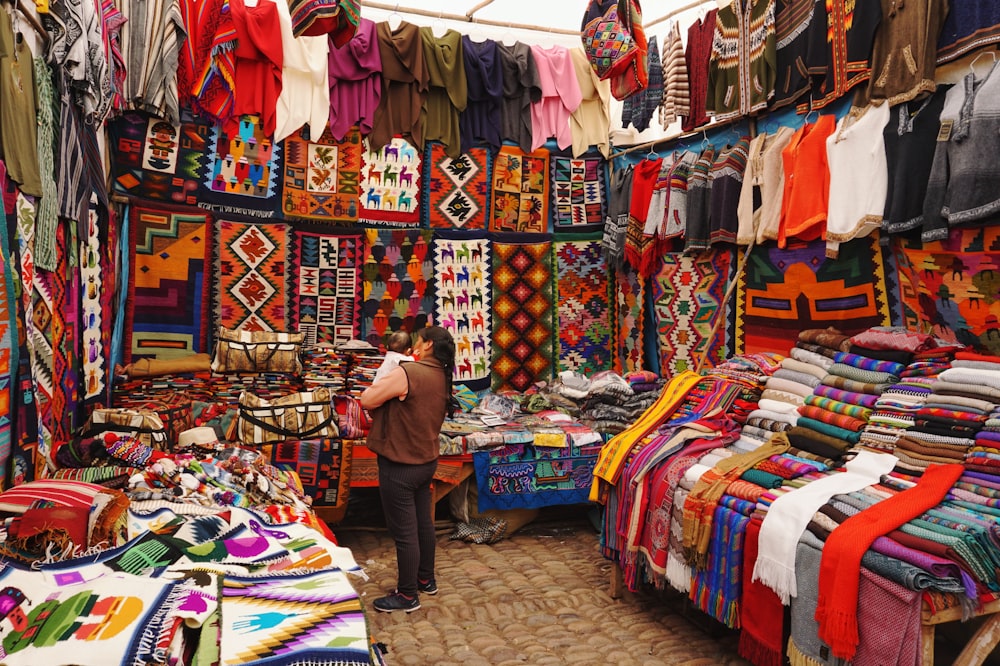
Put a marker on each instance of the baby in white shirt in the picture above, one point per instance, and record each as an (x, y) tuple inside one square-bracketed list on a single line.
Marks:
[(397, 348)]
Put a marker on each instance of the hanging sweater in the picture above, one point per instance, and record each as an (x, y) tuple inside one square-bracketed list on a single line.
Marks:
[(480, 121), (355, 80), (807, 182), (676, 92), (404, 85), (971, 24), (560, 97), (447, 94), (259, 60), (643, 182), (697, 56), (791, 36), (742, 66), (759, 208), (521, 88), (616, 222), (727, 181), (699, 198), (151, 39), (638, 109), (591, 122), (18, 127), (305, 81)]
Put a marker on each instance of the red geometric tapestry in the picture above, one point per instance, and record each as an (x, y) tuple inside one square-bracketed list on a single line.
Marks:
[(584, 298), (630, 305), (398, 282), (323, 466), (167, 313), (390, 184), (687, 302), (250, 275), (782, 292), (324, 284), (523, 309), (520, 191), (949, 288), (321, 177), (456, 191)]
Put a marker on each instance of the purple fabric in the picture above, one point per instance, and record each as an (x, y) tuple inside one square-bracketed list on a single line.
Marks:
[(933, 564), (480, 122), (355, 81), (851, 397), (988, 435), (981, 479)]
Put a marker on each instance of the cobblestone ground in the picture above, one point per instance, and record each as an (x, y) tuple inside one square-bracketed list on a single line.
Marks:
[(537, 597)]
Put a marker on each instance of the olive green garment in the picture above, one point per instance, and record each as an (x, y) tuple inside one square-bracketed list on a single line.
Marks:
[(18, 125), (447, 93)]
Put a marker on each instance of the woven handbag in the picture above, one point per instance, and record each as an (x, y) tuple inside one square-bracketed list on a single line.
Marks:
[(258, 351), (607, 37), (305, 415), (143, 425)]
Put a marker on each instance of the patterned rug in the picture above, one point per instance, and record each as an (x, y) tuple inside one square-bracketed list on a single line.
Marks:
[(169, 294), (782, 292), (323, 466), (630, 306), (687, 300), (524, 476), (398, 282), (324, 281), (950, 287), (390, 184), (95, 305), (8, 349), (579, 192), (520, 191), (462, 302), (321, 177), (241, 171), (584, 298), (524, 313), (456, 191), (61, 284), (249, 275), (154, 159)]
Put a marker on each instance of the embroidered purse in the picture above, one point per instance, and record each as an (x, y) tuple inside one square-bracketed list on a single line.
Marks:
[(305, 415), (607, 37), (258, 351)]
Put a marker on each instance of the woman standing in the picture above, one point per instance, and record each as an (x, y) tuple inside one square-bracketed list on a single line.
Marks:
[(408, 407)]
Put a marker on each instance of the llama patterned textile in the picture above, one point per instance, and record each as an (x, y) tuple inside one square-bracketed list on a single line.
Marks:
[(390, 184)]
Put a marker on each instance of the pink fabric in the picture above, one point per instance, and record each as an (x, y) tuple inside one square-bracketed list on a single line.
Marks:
[(355, 81), (560, 96)]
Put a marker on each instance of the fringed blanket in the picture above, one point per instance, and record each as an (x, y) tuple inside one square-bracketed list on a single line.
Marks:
[(390, 184), (249, 275), (630, 306), (398, 282), (456, 191), (717, 589), (323, 466), (584, 297), (321, 177), (579, 192), (520, 192), (324, 286), (241, 171)]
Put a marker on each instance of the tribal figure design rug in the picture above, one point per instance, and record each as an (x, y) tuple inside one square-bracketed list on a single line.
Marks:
[(390, 184), (520, 191), (321, 177), (324, 283), (523, 311), (579, 192), (630, 308), (456, 191), (398, 282), (241, 171), (168, 305), (249, 275), (585, 330)]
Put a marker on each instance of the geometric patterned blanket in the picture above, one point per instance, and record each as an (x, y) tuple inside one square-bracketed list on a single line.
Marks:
[(324, 285), (323, 466), (584, 298), (579, 192), (168, 287), (249, 275), (687, 301), (520, 191), (784, 291), (525, 476), (241, 171), (398, 282), (524, 308), (630, 305), (321, 177), (390, 184), (456, 191)]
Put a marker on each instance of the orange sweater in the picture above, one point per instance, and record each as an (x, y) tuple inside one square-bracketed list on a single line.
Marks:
[(807, 182)]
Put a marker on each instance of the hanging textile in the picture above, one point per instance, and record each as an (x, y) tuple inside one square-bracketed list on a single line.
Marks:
[(456, 191), (8, 349), (324, 285), (249, 275), (95, 305), (355, 71), (584, 296), (447, 91), (241, 171), (321, 177), (520, 191), (390, 184), (579, 192), (398, 283), (630, 305)]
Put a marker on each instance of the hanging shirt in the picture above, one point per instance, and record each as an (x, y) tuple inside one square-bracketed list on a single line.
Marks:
[(404, 85), (616, 222), (643, 182), (151, 39), (259, 60), (591, 121), (305, 81), (355, 80), (112, 21), (18, 135), (521, 88), (807, 182), (759, 208), (742, 67), (676, 93), (727, 181), (697, 55), (206, 68), (560, 97), (447, 94), (480, 121), (840, 46), (971, 24)]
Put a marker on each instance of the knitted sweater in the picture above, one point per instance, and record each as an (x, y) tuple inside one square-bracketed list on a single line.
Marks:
[(676, 92), (742, 68), (697, 55)]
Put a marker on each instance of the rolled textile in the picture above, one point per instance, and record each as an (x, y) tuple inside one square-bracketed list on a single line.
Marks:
[(811, 357), (867, 363), (762, 478), (808, 368), (862, 375), (854, 385), (776, 406), (837, 603), (782, 396), (794, 376), (851, 397), (788, 386), (838, 407), (894, 355), (818, 443), (827, 337), (831, 418), (990, 378)]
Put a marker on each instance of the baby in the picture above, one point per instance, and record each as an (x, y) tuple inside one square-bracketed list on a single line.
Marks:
[(397, 346)]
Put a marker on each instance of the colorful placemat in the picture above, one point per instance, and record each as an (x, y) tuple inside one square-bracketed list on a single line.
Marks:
[(241, 171), (688, 295), (154, 159), (949, 287), (390, 184), (456, 191), (398, 282), (249, 275), (524, 313), (524, 476), (784, 291), (321, 177), (324, 284), (579, 192), (462, 302), (630, 308), (323, 466), (168, 306), (520, 191), (584, 297)]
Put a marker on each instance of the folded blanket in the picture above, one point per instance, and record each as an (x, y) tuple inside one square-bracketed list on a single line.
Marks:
[(894, 337), (813, 441), (866, 363), (827, 337), (862, 375), (896, 356), (838, 407), (863, 399), (782, 396), (831, 418), (811, 357), (990, 378), (788, 386), (854, 385), (847, 436), (794, 376), (795, 365)]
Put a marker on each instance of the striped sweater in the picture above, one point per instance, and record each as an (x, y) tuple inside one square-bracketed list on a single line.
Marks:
[(676, 92)]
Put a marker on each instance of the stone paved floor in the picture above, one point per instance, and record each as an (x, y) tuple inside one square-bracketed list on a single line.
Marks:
[(537, 597)]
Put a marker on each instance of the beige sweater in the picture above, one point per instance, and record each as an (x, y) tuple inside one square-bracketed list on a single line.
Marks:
[(764, 171), (590, 123)]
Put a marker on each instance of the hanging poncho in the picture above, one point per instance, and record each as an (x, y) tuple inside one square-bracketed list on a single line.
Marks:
[(447, 94), (404, 85)]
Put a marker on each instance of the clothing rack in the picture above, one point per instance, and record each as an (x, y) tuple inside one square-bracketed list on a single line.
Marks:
[(704, 129), (468, 17), (674, 12), (29, 15)]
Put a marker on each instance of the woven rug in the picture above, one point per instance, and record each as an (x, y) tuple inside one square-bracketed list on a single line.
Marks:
[(390, 184), (154, 159), (523, 312), (249, 275), (456, 191), (687, 300), (169, 295), (241, 171), (579, 192), (64, 286), (321, 177), (94, 306), (462, 302), (949, 288), (398, 282), (584, 298), (782, 292), (524, 476), (323, 466), (8, 349), (630, 306), (520, 191), (324, 285)]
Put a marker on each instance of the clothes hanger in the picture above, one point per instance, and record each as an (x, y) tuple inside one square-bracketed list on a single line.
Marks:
[(438, 28), (652, 154), (21, 11), (394, 19), (508, 38), (990, 52)]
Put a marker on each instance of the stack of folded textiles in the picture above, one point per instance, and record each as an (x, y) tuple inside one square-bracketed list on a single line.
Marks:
[(984, 455), (750, 372)]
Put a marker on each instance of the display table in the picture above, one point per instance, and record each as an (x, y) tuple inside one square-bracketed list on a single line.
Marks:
[(977, 648)]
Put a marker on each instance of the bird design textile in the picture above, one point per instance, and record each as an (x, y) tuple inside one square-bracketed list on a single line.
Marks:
[(456, 192), (321, 177), (520, 191), (250, 275)]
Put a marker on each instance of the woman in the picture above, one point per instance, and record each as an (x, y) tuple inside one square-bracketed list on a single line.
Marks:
[(408, 407)]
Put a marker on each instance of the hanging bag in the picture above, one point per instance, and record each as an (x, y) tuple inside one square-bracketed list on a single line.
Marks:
[(258, 351), (305, 415), (633, 77), (607, 37)]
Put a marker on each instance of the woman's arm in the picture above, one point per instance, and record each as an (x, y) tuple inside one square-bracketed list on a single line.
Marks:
[(393, 385)]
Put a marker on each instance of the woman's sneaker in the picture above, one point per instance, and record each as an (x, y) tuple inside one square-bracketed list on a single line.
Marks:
[(427, 586), (396, 601)]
